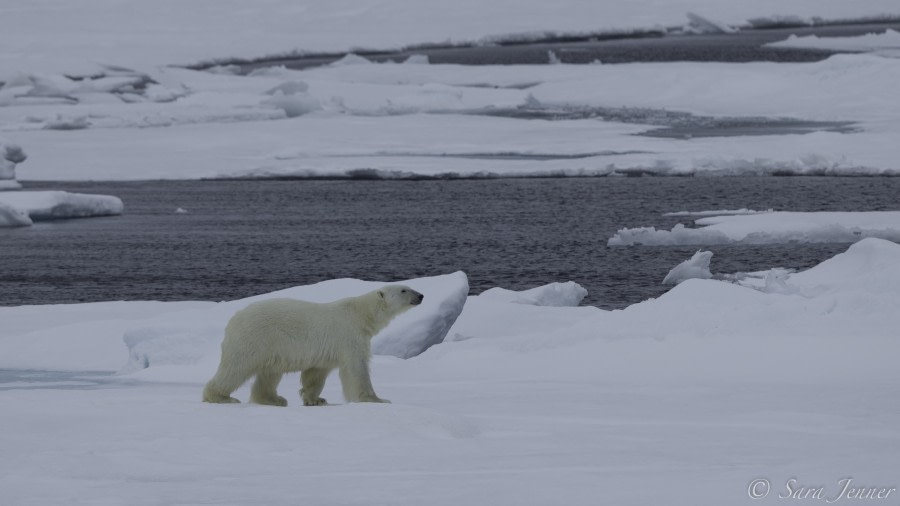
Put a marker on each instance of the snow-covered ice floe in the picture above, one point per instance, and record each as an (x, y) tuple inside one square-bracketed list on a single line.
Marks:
[(712, 383), (769, 228), (22, 208), (569, 293), (427, 121), (696, 267), (885, 44)]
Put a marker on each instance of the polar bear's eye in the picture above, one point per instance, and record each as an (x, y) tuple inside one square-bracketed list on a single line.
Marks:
[(402, 291)]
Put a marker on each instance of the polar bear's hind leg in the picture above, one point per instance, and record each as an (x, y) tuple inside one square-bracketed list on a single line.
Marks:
[(226, 380)]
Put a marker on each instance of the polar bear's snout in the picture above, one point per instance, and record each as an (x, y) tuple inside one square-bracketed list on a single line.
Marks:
[(415, 298)]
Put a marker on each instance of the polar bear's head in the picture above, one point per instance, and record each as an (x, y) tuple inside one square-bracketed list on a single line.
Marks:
[(399, 298)]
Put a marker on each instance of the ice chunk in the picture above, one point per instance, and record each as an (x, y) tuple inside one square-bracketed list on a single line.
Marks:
[(417, 59), (697, 267), (292, 98), (415, 331), (351, 59), (566, 294), (721, 212), (10, 155), (887, 42), (51, 205), (289, 88), (12, 217), (63, 122), (769, 228), (700, 24), (294, 105)]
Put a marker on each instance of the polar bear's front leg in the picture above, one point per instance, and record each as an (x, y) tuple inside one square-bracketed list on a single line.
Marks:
[(356, 383)]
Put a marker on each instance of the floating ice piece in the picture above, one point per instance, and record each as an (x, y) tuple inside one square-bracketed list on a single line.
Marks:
[(12, 217), (721, 212), (566, 294), (10, 155), (769, 228), (697, 267), (289, 88), (871, 42), (294, 105), (67, 123), (351, 59), (51, 205), (417, 59), (700, 24)]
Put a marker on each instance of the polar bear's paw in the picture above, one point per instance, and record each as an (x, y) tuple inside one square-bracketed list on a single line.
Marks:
[(271, 401), (218, 398), (318, 401), (373, 398)]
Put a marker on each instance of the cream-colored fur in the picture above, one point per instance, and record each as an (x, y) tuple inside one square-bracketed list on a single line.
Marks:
[(277, 336)]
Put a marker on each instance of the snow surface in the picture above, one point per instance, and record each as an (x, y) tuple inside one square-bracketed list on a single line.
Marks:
[(696, 267), (22, 208), (769, 228), (569, 293), (696, 393), (393, 120), (886, 44), (76, 39)]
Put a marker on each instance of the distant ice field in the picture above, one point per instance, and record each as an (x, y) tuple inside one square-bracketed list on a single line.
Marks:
[(236, 239)]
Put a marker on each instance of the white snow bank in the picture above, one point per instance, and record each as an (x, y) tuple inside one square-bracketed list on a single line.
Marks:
[(52, 205), (887, 43), (769, 228), (711, 383), (697, 267), (194, 337), (569, 293)]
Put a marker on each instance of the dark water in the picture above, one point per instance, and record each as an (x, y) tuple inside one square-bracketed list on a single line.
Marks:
[(242, 238), (744, 46)]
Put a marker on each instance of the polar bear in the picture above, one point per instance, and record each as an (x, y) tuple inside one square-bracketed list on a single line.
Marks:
[(277, 336)]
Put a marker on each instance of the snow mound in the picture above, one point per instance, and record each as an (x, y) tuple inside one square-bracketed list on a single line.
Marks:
[(566, 294), (882, 43), (52, 205), (697, 267), (769, 228), (194, 336), (292, 98)]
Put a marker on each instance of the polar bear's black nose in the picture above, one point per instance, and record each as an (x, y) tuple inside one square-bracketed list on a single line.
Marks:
[(419, 300)]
